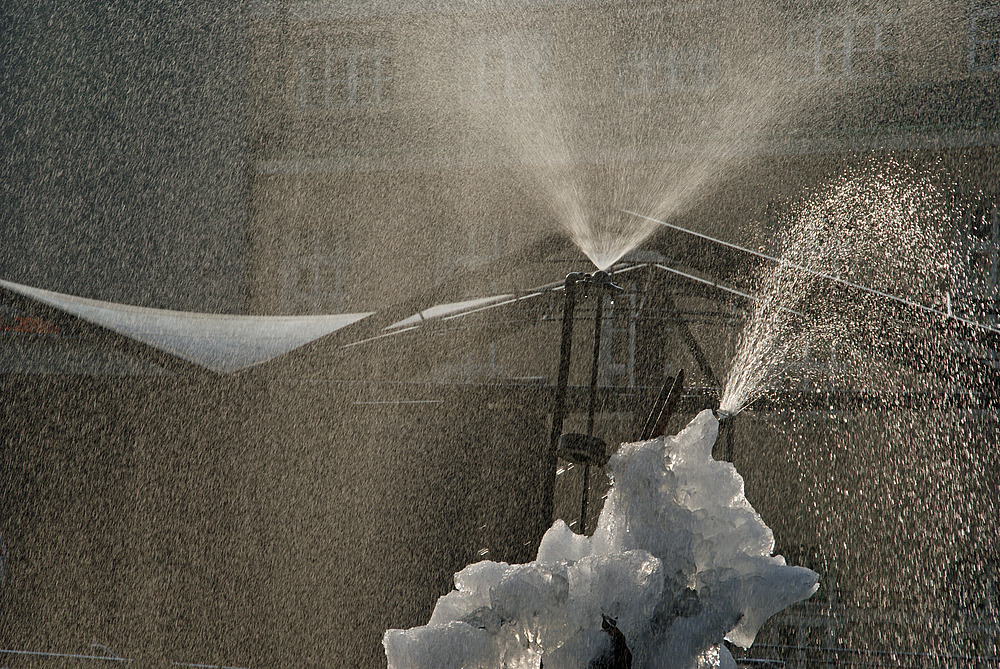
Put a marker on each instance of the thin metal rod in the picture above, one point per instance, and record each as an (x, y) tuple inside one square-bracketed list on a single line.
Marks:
[(592, 406), (583, 501), (669, 406), (684, 330), (654, 413), (730, 448), (850, 284), (724, 439), (715, 284), (562, 385), (101, 658), (663, 409), (565, 354)]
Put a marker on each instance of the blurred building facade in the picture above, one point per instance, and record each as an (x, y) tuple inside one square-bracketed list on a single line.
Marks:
[(126, 167), (368, 123)]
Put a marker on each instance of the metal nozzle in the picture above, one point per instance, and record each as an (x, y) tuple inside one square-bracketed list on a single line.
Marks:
[(598, 281), (602, 279)]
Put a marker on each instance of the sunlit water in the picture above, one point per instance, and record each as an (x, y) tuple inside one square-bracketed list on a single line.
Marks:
[(589, 202), (872, 240), (894, 493)]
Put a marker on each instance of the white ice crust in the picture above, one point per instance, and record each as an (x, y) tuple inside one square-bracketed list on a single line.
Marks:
[(679, 561)]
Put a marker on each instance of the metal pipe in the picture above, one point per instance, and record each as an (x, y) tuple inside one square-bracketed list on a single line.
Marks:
[(947, 315), (583, 449), (595, 364), (592, 405), (725, 437), (562, 384)]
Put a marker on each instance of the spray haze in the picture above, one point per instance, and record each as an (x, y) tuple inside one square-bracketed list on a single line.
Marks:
[(642, 108), (880, 229)]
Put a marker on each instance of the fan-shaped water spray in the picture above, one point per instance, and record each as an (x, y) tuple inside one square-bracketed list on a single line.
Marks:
[(647, 141), (872, 241)]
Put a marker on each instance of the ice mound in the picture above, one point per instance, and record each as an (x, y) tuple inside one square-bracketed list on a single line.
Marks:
[(678, 562)]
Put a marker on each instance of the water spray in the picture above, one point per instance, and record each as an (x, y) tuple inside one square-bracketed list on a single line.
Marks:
[(948, 314)]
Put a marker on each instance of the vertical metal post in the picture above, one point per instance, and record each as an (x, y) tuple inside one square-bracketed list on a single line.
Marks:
[(562, 384), (592, 406), (728, 446), (724, 440)]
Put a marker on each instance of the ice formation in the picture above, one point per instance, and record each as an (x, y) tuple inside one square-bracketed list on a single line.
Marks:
[(678, 562)]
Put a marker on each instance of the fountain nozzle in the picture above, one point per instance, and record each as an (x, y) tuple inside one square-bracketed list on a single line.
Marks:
[(597, 281), (602, 279)]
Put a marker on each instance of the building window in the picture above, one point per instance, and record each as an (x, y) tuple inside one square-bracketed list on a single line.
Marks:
[(978, 292), (848, 46), (314, 271), (473, 367), (984, 40), (479, 247), (819, 367), (512, 66), (652, 72), (816, 51), (350, 77)]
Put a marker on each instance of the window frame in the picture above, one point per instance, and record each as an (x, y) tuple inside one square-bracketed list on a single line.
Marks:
[(650, 65), (974, 17), (353, 56), (847, 49), (984, 295), (304, 251), (522, 72)]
